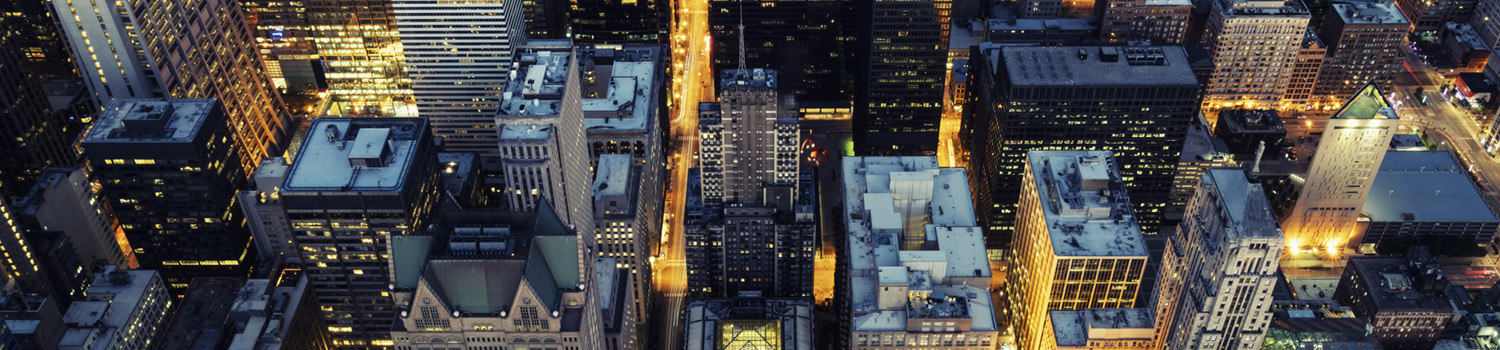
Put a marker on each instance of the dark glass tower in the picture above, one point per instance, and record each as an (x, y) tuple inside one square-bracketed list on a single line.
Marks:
[(808, 41), (167, 167), (31, 136), (597, 22), (898, 100), (1135, 101)]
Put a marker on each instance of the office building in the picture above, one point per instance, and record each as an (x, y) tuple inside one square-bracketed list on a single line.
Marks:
[(1244, 130), (264, 214), (124, 310), (1159, 22), (361, 52), (1365, 43), (33, 319), (1424, 197), (600, 22), (1465, 47), (276, 314), (354, 184), (1253, 38), (1486, 22), (1074, 215), (33, 36), (1052, 31), (1311, 326), (60, 272), (201, 320), (916, 272), (515, 280), (63, 200), (807, 41), (546, 19), (748, 142), (173, 49), (1201, 151), (1406, 299), (457, 56), (749, 321), (32, 138), (1100, 329), (283, 35), (898, 98), (1429, 16), (1220, 268), (543, 150), (161, 165), (621, 327), (747, 247), (621, 226), (1039, 8), (1342, 171), (1299, 90), (1016, 109)]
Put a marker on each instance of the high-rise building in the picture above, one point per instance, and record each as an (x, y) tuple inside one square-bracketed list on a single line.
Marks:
[(546, 19), (1486, 22), (1406, 298), (1059, 98), (1429, 16), (597, 22), (1299, 89), (1255, 45), (749, 321), (806, 41), (34, 319), (1077, 244), (34, 36), (622, 225), (1039, 8), (748, 141), (1100, 329), (63, 200), (486, 281), (1153, 21), (260, 301), (541, 128), (1342, 170), (202, 315), (1200, 151), (283, 34), (1220, 267), (457, 55), (174, 49), (1365, 43), (124, 310), (748, 247), (167, 170), (264, 214), (32, 137), (354, 184), (916, 273), (1301, 325), (898, 98), (1245, 130), (361, 51)]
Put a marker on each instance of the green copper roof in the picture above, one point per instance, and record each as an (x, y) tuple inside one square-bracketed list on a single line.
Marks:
[(1368, 103), (476, 286), (408, 255), (540, 276)]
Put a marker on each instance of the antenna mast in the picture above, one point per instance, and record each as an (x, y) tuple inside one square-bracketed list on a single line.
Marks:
[(743, 71)]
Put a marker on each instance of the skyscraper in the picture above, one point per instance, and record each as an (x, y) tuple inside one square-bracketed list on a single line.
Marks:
[(542, 142), (1299, 90), (1220, 267), (1077, 244), (32, 34), (166, 167), (546, 19), (1254, 46), (170, 48), (457, 55), (749, 140), (595, 22), (808, 42), (32, 136), (284, 36), (1156, 22), (898, 99), (362, 57), (354, 184), (1429, 16), (1342, 170), (1365, 43), (1136, 101)]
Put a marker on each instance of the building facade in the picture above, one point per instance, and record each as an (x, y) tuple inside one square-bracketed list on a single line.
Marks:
[(1424, 197), (807, 41), (64, 200), (264, 214), (1220, 268), (543, 149), (898, 99), (362, 59), (1344, 168), (748, 141), (162, 169), (600, 22), (354, 184), (1077, 244), (1405, 298), (33, 137), (1365, 41), (1429, 16), (457, 56), (1255, 39), (1299, 90), (1155, 22), (1201, 151), (124, 310)]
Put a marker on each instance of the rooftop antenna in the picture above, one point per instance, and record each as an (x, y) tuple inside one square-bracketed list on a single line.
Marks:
[(1259, 151), (743, 72)]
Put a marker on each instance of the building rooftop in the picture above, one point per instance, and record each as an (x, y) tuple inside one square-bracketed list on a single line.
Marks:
[(1038, 25), (1368, 103), (62, 93), (612, 175), (1247, 121), (749, 322), (1465, 35), (199, 321), (1201, 145), (1425, 186), (1249, 210), (891, 198), (1398, 283), (118, 294), (537, 79), (358, 154), (1369, 13), (1087, 66), (629, 101), (1408, 142), (757, 77), (151, 120), (1279, 8), (1078, 327), (1085, 204)]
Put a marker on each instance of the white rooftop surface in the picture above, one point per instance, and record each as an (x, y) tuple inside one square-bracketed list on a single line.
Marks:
[(525, 132), (1313, 288), (321, 164), (611, 176), (1137, 318), (1465, 34), (607, 271), (186, 118), (369, 143), (1369, 12), (532, 81), (23, 326), (86, 312), (1068, 328), (1169, 3), (1430, 185), (1060, 66), (1091, 223), (873, 259), (629, 82)]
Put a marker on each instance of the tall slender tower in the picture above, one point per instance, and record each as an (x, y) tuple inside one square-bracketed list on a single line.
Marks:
[(1343, 168), (180, 49), (541, 134), (748, 142), (457, 54), (898, 101)]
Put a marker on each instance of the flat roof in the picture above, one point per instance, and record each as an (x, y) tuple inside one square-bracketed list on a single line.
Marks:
[(537, 78), (197, 324), (1037, 24), (612, 175), (1465, 34), (1370, 13), (1390, 284), (150, 120), (1428, 185), (1085, 205), (1242, 121), (1076, 66), (322, 164), (1268, 8), (630, 100)]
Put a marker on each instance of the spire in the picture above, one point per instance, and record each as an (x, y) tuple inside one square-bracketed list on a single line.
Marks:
[(743, 72)]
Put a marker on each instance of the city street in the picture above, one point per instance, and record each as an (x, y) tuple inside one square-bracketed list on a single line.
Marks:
[(692, 82), (1446, 126)]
